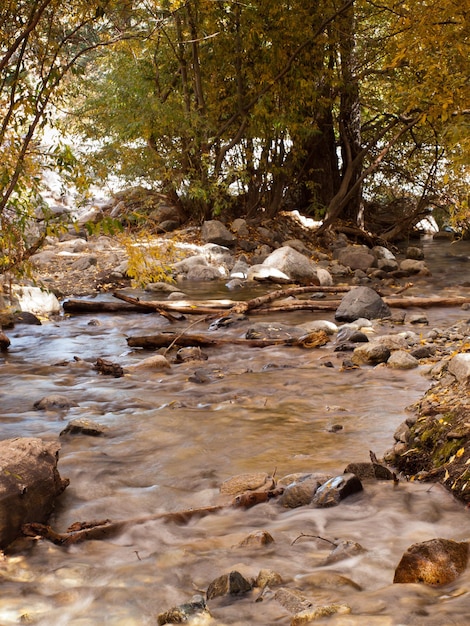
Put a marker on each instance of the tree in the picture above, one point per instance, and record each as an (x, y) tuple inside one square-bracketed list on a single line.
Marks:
[(41, 43), (256, 107)]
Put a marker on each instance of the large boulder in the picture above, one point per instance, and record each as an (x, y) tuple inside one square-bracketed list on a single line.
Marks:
[(294, 264), (213, 231), (30, 482), (35, 300), (361, 302), (434, 562), (356, 257)]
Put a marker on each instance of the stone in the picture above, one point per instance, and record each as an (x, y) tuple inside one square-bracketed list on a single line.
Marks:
[(344, 550), (293, 600), (54, 402), (190, 353), (402, 360), (199, 272), (361, 302), (213, 231), (325, 279), (356, 257), (295, 265), (271, 330), (35, 300), (309, 615), (300, 492), (84, 426), (256, 539), (268, 578), (434, 562), (459, 367), (336, 489), (369, 471), (29, 484), (262, 273), (392, 342), (185, 612), (387, 265), (156, 362), (415, 253), (240, 227), (228, 584), (418, 318), (411, 266), (247, 482), (371, 353)]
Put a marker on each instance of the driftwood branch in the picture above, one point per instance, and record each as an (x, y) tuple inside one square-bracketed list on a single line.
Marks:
[(164, 340)]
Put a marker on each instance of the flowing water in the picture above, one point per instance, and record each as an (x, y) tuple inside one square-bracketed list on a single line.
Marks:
[(171, 443)]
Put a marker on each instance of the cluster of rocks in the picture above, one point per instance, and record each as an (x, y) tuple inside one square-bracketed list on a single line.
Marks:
[(238, 253), (433, 562)]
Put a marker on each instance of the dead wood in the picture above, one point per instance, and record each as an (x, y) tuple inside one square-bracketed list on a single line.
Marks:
[(92, 306), (164, 340), (412, 301)]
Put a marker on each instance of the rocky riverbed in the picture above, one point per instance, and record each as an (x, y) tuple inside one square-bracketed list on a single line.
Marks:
[(370, 341)]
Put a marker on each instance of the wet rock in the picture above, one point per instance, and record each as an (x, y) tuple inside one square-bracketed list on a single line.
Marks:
[(292, 600), (84, 426), (213, 231), (402, 360), (434, 562), (413, 252), (369, 471), (161, 287), (184, 612), (410, 267), (328, 579), (261, 273), (156, 362), (370, 354), (459, 366), (387, 265), (361, 302), (268, 578), (27, 318), (336, 489), (293, 264), (418, 318), (300, 492), (256, 539), (228, 584), (258, 481), (190, 353), (392, 342), (271, 330), (54, 402), (310, 615), (29, 484), (4, 342), (344, 550)]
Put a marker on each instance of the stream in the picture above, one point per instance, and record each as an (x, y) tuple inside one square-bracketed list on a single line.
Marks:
[(172, 441)]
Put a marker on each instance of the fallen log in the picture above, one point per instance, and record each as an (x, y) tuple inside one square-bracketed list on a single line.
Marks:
[(105, 529), (423, 303), (164, 340), (92, 306)]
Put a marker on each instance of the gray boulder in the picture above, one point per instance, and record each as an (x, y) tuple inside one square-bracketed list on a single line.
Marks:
[(213, 231), (459, 366), (294, 264), (356, 257), (370, 354), (402, 360), (361, 302)]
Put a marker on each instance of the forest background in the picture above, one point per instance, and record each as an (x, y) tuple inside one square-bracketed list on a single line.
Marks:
[(350, 111)]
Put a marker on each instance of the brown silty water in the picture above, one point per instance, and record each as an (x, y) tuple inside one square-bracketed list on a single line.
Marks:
[(172, 442)]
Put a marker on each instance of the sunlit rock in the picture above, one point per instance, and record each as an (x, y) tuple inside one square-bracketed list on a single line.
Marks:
[(459, 366), (402, 360), (370, 354), (295, 265), (434, 562), (35, 300), (336, 489), (256, 539), (29, 484)]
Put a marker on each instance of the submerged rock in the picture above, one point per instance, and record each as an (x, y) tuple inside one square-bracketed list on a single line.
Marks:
[(434, 562), (336, 489), (182, 613)]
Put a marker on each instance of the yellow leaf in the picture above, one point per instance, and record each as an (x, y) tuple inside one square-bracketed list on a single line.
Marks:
[(459, 453), (446, 477)]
